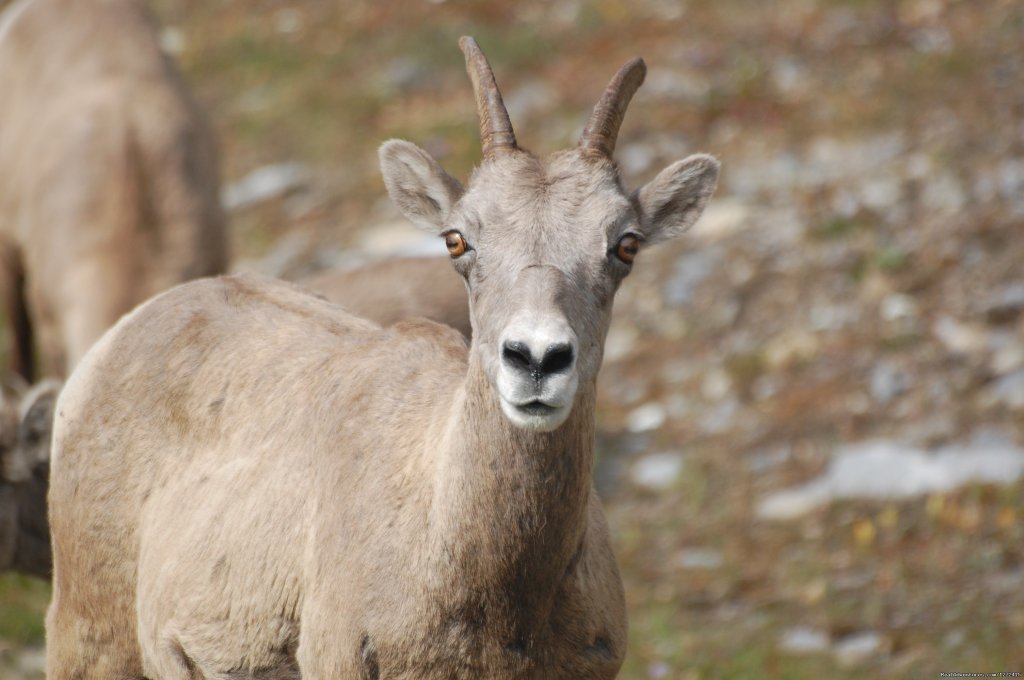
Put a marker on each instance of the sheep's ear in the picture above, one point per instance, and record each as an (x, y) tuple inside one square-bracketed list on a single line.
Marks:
[(671, 202), (36, 424), (421, 189)]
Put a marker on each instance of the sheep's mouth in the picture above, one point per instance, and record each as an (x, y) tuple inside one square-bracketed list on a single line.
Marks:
[(537, 408)]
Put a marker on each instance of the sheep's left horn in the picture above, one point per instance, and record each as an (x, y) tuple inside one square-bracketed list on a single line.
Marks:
[(603, 127)]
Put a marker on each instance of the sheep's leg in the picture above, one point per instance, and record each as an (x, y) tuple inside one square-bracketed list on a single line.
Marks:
[(12, 296), (90, 626), (80, 649)]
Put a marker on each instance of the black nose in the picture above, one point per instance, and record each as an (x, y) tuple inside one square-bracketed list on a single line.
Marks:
[(557, 357)]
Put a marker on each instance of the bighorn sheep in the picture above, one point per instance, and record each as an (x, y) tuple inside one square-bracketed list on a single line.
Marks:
[(108, 176), (389, 291), (249, 482)]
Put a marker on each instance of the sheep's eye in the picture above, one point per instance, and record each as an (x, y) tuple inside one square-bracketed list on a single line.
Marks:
[(627, 248), (456, 243)]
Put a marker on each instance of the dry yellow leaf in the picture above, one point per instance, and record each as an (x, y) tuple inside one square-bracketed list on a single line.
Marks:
[(864, 532)]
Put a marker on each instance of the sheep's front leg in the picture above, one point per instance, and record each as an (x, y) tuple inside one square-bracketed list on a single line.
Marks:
[(80, 649)]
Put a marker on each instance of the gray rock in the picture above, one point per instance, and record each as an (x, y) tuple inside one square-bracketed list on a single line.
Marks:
[(898, 307), (285, 258), (671, 85), (1007, 353), (804, 640), (288, 20), (1009, 390), (790, 75), (959, 337), (621, 340), (699, 558), (888, 381), (264, 184), (880, 192), (689, 272), (858, 647), (658, 669), (532, 98), (943, 193), (762, 461), (833, 317), (658, 471), (644, 418), (716, 384), (954, 638), (1005, 304), (635, 159), (172, 41), (720, 417)]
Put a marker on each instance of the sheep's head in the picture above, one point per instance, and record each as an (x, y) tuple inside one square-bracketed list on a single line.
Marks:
[(543, 244), (26, 423)]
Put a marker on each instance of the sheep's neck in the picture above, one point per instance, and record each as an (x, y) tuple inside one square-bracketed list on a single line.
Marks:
[(512, 505)]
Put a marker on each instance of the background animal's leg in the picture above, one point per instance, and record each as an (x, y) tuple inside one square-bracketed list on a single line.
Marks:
[(83, 323), (12, 294)]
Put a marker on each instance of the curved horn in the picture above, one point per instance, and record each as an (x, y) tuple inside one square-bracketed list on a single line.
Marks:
[(496, 133), (603, 127)]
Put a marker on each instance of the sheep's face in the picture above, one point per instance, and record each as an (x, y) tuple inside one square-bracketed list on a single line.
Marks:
[(542, 264), (544, 244)]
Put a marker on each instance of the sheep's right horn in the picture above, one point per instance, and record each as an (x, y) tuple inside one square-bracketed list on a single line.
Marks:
[(603, 127), (496, 135)]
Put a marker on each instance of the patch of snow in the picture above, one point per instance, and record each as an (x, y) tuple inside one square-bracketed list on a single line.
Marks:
[(884, 469)]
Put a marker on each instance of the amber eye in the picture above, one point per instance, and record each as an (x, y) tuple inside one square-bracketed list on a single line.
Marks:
[(456, 244), (627, 248)]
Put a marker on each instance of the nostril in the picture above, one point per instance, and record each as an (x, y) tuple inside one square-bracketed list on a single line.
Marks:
[(517, 354), (557, 358)]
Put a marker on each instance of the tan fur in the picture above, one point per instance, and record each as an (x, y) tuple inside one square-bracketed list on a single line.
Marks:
[(400, 288), (250, 482), (108, 176)]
